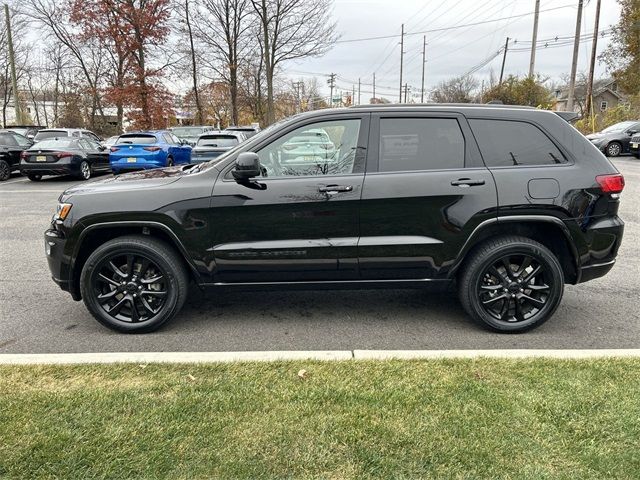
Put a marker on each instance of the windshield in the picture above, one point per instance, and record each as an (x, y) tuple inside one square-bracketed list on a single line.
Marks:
[(619, 127), (218, 141), (187, 131), (41, 135), (54, 144), (136, 139), (21, 131)]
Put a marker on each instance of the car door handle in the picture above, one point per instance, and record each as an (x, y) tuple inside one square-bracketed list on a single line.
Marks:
[(466, 182), (331, 189)]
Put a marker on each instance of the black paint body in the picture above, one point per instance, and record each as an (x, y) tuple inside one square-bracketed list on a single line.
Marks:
[(401, 228)]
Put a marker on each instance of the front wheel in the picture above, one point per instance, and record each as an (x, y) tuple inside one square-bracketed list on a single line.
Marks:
[(134, 284), (511, 284)]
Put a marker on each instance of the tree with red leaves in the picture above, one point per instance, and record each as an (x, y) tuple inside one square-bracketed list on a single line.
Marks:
[(130, 28)]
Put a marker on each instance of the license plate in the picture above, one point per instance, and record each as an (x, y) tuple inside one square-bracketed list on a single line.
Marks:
[(634, 145), (308, 158), (41, 158), (131, 159)]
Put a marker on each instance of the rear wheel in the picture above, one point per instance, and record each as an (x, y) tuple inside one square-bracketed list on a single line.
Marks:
[(134, 284), (613, 149), (85, 170), (5, 170), (34, 177), (511, 284)]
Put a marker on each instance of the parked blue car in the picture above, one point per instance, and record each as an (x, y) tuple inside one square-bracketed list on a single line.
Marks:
[(146, 150)]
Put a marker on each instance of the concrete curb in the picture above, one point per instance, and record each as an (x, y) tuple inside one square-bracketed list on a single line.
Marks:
[(267, 356)]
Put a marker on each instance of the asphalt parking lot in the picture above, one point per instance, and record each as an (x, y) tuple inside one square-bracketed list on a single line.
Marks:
[(37, 317)]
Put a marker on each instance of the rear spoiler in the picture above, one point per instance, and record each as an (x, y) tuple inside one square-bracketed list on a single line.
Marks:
[(568, 116)]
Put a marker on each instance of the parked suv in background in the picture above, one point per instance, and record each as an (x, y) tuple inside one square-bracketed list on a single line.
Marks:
[(11, 147), (249, 131), (146, 150), (509, 203), (65, 132), (634, 145), (190, 134), (616, 139)]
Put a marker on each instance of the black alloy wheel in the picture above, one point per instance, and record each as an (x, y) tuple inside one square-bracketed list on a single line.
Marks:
[(134, 284), (511, 284), (5, 170), (130, 287)]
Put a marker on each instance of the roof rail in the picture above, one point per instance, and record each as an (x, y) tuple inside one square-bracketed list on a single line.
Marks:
[(458, 105)]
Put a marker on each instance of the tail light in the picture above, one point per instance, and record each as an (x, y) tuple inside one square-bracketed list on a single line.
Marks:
[(24, 155), (151, 149), (611, 183), (288, 147), (114, 149), (64, 154)]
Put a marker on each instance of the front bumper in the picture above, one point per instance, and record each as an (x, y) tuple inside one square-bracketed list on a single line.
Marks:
[(59, 262), (635, 150)]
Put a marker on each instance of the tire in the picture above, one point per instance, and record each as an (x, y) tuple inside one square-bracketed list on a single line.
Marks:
[(613, 149), (34, 177), (138, 305), (515, 301), (5, 170), (85, 170), (169, 162)]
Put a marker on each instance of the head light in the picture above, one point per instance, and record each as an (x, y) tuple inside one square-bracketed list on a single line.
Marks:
[(62, 211)]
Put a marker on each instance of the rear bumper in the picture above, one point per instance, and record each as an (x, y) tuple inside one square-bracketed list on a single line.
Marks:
[(61, 167), (121, 163), (603, 238)]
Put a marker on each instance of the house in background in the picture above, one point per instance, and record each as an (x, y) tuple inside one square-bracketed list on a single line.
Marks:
[(606, 95)]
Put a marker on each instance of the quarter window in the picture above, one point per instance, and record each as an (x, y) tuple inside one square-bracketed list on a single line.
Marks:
[(420, 144), (323, 148), (505, 143)]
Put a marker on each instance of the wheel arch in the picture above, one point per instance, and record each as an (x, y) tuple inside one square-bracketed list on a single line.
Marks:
[(99, 233), (547, 230)]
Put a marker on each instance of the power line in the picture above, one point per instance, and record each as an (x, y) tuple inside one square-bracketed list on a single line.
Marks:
[(443, 29)]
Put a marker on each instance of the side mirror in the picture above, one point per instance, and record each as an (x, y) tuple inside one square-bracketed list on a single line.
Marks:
[(247, 166), (632, 132)]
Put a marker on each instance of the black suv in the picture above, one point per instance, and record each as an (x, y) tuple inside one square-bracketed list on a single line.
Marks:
[(510, 203)]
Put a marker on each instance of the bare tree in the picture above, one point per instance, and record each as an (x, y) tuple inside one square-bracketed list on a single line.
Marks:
[(224, 27), (456, 90), (291, 29)]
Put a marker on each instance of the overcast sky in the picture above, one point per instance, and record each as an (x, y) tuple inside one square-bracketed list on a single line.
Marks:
[(452, 52)]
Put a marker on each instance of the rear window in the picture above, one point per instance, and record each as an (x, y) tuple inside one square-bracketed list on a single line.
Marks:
[(218, 141), (420, 144), (41, 135), (187, 131), (505, 143), (54, 144), (136, 140)]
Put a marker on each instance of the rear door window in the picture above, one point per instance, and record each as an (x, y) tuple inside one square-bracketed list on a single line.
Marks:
[(408, 144), (508, 143)]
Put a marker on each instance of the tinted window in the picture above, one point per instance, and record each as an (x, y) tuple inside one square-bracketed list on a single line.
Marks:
[(55, 144), (22, 141), (420, 144), (506, 143), (7, 139), (136, 139), (84, 144), (335, 156), (217, 141), (41, 135)]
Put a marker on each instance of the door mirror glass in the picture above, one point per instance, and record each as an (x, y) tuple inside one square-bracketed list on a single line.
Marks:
[(633, 131), (247, 166)]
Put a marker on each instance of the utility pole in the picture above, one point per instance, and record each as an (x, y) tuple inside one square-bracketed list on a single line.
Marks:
[(374, 87), (353, 94), (534, 40), (358, 90), (299, 87), (504, 59), (424, 47), (332, 83), (574, 62), (592, 65), (401, 60), (12, 62), (406, 92)]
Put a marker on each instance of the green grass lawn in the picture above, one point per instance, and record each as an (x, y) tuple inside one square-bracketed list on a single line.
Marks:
[(355, 419)]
